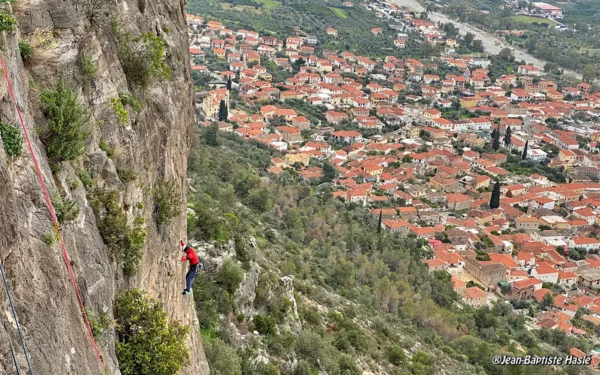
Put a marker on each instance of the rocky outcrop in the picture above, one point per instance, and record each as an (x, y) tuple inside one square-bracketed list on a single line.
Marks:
[(246, 292), (287, 282), (153, 143)]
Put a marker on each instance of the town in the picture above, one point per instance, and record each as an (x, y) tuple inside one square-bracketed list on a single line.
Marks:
[(495, 169)]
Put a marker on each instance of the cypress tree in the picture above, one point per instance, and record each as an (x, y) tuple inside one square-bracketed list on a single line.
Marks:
[(379, 226), (229, 84), (222, 111), (524, 156), (507, 137), (496, 139), (495, 199)]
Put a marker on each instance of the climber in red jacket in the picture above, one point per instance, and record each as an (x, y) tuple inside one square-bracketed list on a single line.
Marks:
[(195, 266)]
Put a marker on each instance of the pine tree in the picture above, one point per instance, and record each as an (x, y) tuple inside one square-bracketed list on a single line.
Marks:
[(495, 199), (379, 226), (223, 111), (496, 139), (524, 156), (229, 84), (210, 135), (507, 137)]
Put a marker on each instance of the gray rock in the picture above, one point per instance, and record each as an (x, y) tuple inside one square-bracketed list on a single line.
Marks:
[(154, 143)]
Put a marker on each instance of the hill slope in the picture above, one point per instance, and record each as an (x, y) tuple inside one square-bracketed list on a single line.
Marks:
[(298, 282)]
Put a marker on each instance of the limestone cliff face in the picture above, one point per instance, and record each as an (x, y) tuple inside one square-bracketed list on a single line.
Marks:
[(154, 144)]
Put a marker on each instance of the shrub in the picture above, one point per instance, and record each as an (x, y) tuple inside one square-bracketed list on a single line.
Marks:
[(130, 100), (243, 252), (85, 178), (271, 296), (118, 105), (422, 357), (167, 202), (12, 140), (210, 300), (341, 342), (25, 49), (264, 324), (126, 175), (310, 315), (120, 112), (348, 366), (142, 57), (67, 120), (123, 239), (65, 209), (99, 325), (73, 183), (263, 369), (230, 275), (110, 152), (396, 355), (311, 347), (147, 343), (305, 368), (7, 21), (222, 359), (89, 68), (49, 238), (134, 246), (281, 345)]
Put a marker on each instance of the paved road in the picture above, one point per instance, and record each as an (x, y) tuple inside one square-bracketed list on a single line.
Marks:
[(491, 43)]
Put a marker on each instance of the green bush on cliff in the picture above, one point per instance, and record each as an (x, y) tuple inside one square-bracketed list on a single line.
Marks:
[(25, 50), (89, 68), (167, 202), (7, 21), (122, 238), (119, 109), (147, 344), (222, 359), (264, 324), (12, 140), (65, 209), (142, 57), (230, 275), (67, 119), (99, 324)]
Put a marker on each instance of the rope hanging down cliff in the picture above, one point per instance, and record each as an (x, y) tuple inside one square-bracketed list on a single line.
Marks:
[(12, 350), (14, 314), (52, 213)]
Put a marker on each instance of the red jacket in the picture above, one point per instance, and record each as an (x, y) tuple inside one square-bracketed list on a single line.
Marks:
[(190, 254)]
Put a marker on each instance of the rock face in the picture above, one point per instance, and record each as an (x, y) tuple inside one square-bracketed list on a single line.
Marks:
[(154, 144)]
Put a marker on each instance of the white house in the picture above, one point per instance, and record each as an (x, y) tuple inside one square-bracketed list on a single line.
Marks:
[(536, 154), (545, 273), (584, 243)]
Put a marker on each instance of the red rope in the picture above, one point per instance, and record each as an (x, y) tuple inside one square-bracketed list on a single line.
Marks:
[(52, 213)]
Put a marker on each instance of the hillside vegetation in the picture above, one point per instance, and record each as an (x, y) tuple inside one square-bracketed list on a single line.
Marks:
[(359, 300)]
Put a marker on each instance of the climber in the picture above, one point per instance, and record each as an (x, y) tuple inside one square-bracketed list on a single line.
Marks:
[(195, 266)]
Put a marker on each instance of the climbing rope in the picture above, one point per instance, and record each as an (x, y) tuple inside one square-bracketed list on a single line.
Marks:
[(14, 314), (10, 346), (52, 213)]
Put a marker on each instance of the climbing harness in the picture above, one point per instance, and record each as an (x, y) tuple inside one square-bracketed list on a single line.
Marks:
[(52, 213)]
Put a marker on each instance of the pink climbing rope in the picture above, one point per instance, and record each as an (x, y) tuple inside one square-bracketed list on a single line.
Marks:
[(52, 213)]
